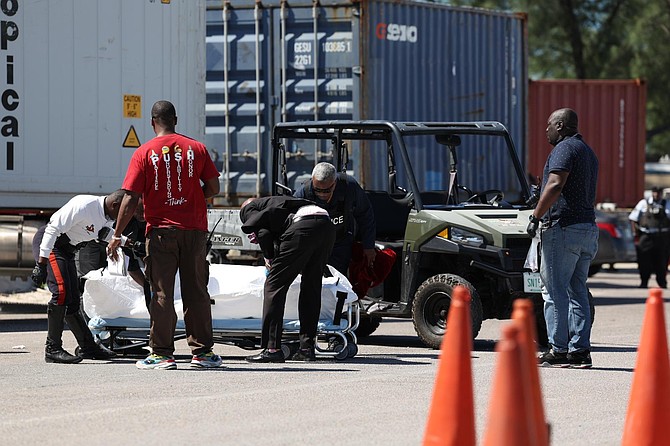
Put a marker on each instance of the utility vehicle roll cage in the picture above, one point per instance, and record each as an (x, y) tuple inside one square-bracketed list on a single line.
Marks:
[(378, 130)]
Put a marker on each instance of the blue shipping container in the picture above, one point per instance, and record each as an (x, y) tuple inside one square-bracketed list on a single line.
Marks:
[(268, 62)]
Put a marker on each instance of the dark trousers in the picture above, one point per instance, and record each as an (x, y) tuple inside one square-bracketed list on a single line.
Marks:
[(304, 249), (652, 257), (340, 257), (170, 250), (62, 279)]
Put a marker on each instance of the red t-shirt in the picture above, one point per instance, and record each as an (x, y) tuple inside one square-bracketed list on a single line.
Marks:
[(167, 171)]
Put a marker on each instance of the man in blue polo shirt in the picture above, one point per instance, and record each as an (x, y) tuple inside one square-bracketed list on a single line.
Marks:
[(569, 237)]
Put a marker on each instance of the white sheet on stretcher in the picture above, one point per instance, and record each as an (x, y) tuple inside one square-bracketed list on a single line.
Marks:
[(237, 292)]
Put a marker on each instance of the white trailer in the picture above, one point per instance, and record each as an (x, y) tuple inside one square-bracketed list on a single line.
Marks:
[(77, 82)]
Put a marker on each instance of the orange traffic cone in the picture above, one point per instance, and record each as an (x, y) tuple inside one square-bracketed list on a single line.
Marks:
[(510, 419), (523, 313), (451, 420), (648, 414)]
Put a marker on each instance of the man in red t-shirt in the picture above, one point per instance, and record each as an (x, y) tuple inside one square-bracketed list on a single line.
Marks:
[(167, 172)]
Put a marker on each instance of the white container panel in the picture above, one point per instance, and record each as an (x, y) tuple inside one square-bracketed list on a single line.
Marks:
[(73, 63)]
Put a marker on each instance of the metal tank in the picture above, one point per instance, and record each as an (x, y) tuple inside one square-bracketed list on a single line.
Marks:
[(16, 241)]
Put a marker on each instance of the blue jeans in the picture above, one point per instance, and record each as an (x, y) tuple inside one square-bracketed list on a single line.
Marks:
[(566, 256)]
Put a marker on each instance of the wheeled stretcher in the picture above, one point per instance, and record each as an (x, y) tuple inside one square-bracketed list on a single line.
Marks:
[(116, 309)]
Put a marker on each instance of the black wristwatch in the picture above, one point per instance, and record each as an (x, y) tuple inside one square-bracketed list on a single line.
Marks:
[(533, 219)]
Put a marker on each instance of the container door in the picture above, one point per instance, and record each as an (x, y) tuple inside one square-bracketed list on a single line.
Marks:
[(239, 86), (316, 52), (438, 63), (269, 63)]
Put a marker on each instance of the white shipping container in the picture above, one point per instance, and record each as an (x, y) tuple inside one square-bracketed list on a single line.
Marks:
[(79, 78)]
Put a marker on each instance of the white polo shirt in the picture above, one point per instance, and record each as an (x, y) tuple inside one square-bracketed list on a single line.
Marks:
[(80, 219)]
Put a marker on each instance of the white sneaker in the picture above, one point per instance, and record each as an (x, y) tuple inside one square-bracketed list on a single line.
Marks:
[(206, 360), (154, 361)]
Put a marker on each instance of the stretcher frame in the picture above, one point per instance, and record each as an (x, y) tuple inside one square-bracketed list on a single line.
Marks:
[(335, 339)]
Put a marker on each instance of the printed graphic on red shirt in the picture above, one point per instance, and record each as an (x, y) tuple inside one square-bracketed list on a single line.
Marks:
[(167, 171), (169, 157)]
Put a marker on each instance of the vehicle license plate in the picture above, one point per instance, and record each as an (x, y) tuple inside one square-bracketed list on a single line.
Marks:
[(532, 283)]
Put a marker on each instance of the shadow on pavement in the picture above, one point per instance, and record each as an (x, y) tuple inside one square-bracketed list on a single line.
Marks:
[(599, 301), (16, 308), (481, 345), (595, 284), (613, 348), (392, 341), (22, 325)]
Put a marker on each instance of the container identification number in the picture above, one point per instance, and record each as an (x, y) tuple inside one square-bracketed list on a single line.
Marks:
[(303, 50), (303, 54)]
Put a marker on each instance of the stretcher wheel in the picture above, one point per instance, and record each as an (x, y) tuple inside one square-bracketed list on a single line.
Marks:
[(341, 353), (352, 350), (333, 342), (286, 350)]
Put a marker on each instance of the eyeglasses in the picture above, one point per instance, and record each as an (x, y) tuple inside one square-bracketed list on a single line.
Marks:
[(327, 190)]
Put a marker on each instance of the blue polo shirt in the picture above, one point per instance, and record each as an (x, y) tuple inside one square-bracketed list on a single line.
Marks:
[(578, 197)]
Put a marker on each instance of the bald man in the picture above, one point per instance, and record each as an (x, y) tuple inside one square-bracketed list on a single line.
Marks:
[(569, 238)]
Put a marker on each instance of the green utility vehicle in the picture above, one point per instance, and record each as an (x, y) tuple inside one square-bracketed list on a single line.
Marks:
[(463, 222)]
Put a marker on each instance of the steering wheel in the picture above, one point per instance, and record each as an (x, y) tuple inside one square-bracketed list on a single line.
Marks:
[(498, 195), (465, 189)]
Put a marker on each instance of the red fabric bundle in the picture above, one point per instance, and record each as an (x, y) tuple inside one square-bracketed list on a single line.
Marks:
[(363, 277)]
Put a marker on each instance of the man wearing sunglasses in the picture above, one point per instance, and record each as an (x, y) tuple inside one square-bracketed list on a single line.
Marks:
[(349, 210)]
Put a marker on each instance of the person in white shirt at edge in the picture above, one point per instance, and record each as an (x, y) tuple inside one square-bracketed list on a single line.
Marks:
[(650, 220), (80, 220)]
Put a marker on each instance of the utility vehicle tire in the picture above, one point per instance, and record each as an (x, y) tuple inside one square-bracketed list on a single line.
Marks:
[(431, 307), (542, 337), (367, 325)]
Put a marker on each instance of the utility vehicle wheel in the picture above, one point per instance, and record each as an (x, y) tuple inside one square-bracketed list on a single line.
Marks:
[(367, 325), (542, 337), (431, 307)]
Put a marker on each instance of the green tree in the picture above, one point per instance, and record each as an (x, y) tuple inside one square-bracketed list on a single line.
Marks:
[(650, 36), (601, 39)]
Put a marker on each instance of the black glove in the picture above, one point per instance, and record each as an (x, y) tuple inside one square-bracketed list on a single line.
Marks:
[(39, 274), (532, 226), (534, 196)]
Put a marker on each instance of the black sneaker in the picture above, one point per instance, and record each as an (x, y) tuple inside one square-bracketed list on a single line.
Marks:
[(552, 358), (580, 360), (266, 356), (304, 355)]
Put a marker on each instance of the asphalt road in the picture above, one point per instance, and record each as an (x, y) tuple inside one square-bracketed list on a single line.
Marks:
[(380, 397)]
